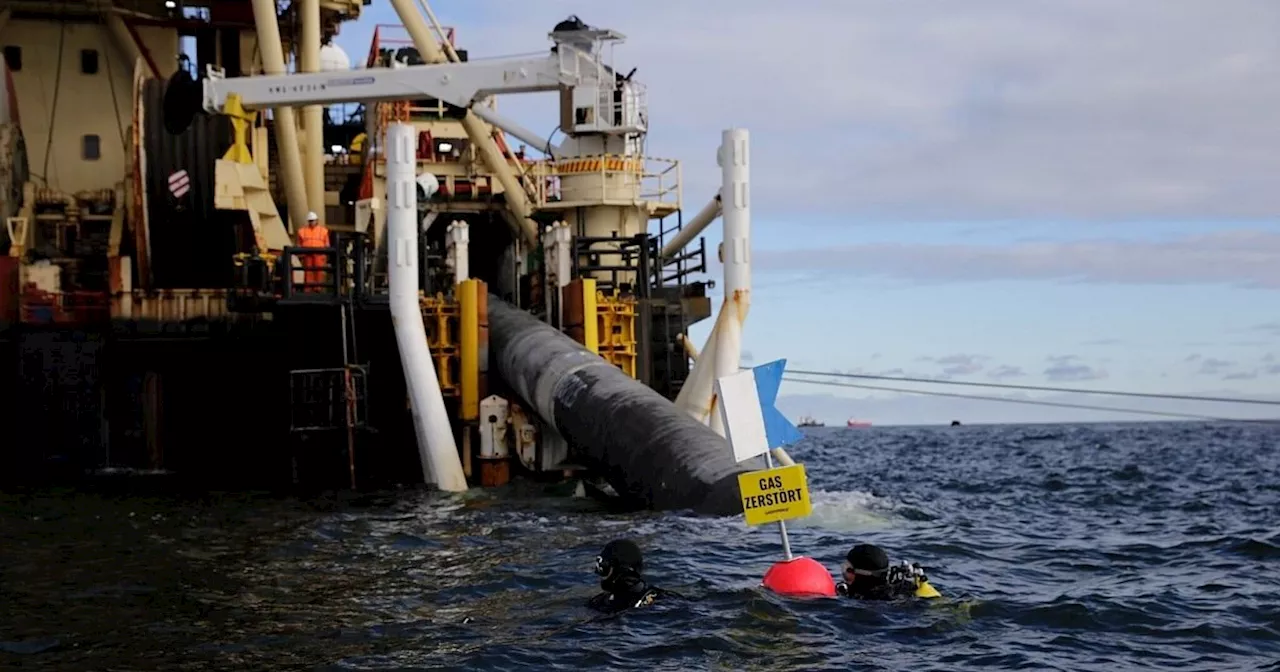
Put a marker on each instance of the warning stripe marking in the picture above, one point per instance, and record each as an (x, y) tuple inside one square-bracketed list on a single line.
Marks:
[(179, 183), (611, 164)]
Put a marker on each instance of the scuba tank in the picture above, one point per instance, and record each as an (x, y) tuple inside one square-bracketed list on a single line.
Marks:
[(909, 579)]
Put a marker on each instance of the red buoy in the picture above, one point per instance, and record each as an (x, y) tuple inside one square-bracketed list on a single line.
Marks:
[(801, 577)]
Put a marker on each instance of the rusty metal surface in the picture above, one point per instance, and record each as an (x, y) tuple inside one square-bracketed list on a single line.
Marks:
[(172, 305), (9, 273), (13, 173)]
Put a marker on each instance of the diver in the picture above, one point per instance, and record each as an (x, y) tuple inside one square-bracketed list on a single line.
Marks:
[(869, 576), (621, 566)]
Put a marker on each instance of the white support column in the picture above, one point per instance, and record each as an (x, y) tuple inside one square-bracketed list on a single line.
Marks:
[(722, 353), (459, 237), (735, 254), (437, 448)]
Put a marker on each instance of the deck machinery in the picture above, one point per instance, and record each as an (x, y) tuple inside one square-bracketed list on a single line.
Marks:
[(155, 314)]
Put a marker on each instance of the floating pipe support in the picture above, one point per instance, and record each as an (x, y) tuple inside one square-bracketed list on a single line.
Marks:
[(722, 354), (652, 453), (437, 448)]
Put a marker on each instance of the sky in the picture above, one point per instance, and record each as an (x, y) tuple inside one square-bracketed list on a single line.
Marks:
[(1070, 194)]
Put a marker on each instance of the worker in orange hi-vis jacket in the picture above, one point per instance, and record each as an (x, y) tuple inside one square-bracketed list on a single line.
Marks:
[(314, 234)]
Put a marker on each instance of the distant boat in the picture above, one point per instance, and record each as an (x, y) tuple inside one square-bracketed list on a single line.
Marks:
[(808, 421), (857, 424)]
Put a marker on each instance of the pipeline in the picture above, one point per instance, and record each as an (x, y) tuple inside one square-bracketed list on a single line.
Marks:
[(652, 453)]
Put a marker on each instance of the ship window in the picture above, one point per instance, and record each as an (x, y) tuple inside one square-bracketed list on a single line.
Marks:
[(92, 148), (13, 57), (89, 61)]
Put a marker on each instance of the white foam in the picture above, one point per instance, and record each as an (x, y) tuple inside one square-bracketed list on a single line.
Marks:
[(847, 511)]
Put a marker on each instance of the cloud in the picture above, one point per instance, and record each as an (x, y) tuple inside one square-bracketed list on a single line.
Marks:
[(1103, 341), (1271, 328), (982, 109), (1073, 373), (961, 365), (1005, 371), (1241, 375), (1248, 258), (1211, 366), (747, 357), (1066, 368)]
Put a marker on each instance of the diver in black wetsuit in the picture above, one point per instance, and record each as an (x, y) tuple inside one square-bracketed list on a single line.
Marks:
[(620, 566), (869, 576)]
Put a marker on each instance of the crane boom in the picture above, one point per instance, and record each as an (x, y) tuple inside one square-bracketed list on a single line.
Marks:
[(458, 84), (602, 101)]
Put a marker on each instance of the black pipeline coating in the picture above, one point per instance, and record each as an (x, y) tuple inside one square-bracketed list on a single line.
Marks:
[(651, 452)]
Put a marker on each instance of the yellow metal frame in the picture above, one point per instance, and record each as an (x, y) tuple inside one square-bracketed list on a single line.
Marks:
[(605, 325), (440, 317), (241, 121), (616, 317)]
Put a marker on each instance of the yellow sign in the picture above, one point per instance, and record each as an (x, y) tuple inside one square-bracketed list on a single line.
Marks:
[(772, 495)]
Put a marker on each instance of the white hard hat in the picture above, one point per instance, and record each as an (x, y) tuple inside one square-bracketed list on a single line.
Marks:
[(311, 217)]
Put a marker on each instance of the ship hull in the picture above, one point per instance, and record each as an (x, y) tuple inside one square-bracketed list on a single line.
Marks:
[(212, 404)]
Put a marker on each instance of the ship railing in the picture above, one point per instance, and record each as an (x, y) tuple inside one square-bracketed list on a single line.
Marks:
[(621, 105), (37, 306), (634, 265), (623, 265), (312, 274), (345, 272), (627, 111), (393, 35), (677, 269), (619, 180), (320, 399)]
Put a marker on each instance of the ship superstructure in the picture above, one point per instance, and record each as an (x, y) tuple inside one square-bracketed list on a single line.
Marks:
[(157, 314)]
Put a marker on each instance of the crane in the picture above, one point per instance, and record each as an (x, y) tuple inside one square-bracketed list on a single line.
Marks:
[(603, 102)]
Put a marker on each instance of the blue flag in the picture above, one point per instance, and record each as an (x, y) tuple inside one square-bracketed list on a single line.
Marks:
[(777, 427)]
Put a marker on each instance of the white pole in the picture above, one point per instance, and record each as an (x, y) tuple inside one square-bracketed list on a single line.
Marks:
[(722, 353), (459, 238), (782, 524), (735, 205), (437, 449), (735, 253)]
